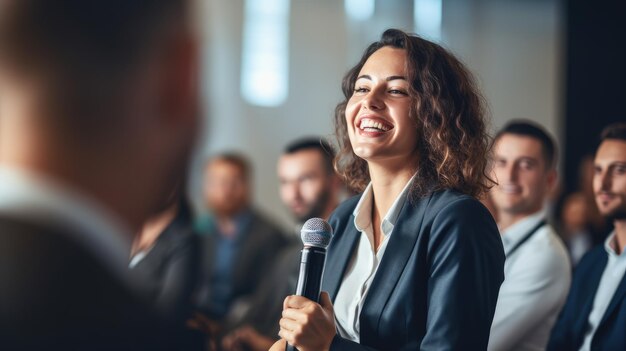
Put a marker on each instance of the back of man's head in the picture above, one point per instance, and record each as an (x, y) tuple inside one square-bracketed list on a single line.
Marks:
[(532, 130), (100, 94), (80, 54)]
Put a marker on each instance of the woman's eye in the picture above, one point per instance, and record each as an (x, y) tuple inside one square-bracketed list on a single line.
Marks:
[(360, 90), (397, 92)]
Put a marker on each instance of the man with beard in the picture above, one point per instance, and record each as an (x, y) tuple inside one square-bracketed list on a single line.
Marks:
[(241, 242), (309, 187), (594, 316)]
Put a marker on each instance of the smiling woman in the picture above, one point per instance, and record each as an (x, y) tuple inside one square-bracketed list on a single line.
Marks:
[(416, 261), (445, 109)]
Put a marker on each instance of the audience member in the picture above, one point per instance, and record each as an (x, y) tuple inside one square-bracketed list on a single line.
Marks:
[(98, 116), (583, 227), (241, 244), (309, 187), (537, 269), (594, 316), (166, 258)]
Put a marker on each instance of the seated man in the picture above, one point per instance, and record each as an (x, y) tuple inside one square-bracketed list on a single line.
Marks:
[(594, 316), (537, 269), (241, 242), (309, 187)]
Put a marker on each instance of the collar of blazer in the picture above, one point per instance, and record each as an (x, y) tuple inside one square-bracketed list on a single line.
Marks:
[(401, 245)]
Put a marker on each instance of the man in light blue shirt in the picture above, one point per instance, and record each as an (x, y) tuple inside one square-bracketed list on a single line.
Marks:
[(537, 269)]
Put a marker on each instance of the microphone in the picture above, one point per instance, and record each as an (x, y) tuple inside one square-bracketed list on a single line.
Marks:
[(316, 234)]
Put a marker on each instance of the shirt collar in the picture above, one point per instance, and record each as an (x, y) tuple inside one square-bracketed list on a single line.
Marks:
[(363, 210), (513, 234), (28, 196), (609, 246)]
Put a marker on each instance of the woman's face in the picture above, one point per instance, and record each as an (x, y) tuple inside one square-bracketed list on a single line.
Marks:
[(377, 114)]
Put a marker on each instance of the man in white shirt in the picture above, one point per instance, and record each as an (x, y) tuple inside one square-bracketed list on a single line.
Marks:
[(537, 269), (594, 317), (97, 116)]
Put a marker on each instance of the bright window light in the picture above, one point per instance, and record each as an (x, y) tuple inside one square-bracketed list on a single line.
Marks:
[(359, 10), (427, 18), (265, 54)]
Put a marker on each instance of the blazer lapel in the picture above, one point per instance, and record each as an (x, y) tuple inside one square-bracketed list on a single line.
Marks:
[(590, 287), (401, 244), (337, 258), (618, 298)]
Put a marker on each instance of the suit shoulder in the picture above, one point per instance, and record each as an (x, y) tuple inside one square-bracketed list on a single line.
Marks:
[(344, 210), (456, 204), (590, 260)]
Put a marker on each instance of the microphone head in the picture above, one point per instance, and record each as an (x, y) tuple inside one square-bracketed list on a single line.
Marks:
[(316, 232)]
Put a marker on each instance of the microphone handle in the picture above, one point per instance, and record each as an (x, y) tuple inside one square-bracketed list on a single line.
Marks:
[(310, 278)]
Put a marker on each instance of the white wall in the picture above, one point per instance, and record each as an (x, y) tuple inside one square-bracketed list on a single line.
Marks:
[(514, 48)]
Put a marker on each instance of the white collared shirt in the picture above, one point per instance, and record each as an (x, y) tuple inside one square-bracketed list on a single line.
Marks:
[(537, 278), (30, 197), (611, 277), (364, 262)]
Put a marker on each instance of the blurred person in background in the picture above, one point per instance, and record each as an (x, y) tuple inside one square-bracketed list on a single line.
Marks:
[(240, 244), (537, 269), (309, 188), (165, 258), (594, 316), (98, 117), (583, 227)]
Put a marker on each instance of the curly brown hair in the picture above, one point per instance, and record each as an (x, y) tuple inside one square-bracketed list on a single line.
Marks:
[(449, 112)]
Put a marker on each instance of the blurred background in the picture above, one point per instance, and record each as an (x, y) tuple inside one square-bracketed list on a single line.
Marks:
[(273, 69)]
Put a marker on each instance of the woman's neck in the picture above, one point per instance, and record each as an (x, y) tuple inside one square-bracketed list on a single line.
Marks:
[(387, 183)]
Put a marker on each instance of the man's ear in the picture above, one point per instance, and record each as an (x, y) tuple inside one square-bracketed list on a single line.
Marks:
[(552, 179)]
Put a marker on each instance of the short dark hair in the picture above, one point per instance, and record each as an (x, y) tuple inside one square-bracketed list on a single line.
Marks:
[(535, 131), (314, 143), (81, 52), (236, 159), (614, 131)]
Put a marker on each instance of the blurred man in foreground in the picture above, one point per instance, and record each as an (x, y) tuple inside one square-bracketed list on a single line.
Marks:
[(98, 113)]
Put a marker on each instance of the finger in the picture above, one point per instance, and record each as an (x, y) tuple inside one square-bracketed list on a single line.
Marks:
[(300, 316), (325, 301), (295, 301), (287, 336), (289, 325), (280, 345)]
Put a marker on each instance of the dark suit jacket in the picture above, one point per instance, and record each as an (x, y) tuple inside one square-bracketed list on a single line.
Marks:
[(569, 331), (437, 284), (263, 240), (279, 282), (169, 270), (55, 295)]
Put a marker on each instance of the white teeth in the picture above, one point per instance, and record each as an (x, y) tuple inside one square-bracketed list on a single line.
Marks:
[(509, 188), (372, 124)]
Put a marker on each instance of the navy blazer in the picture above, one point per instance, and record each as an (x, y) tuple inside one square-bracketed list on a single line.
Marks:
[(437, 284), (569, 331)]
